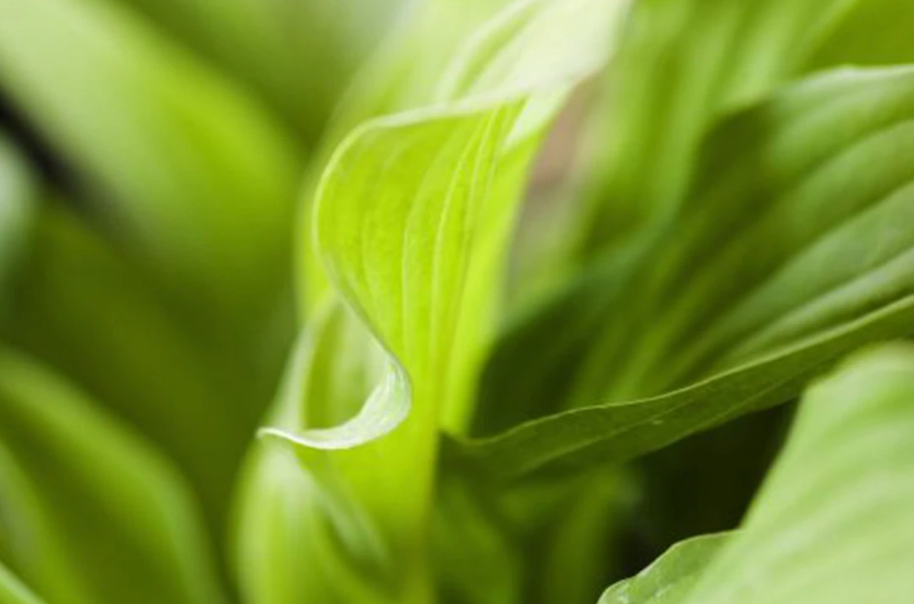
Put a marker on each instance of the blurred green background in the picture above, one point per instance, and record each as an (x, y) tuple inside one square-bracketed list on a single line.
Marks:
[(156, 158), (152, 158)]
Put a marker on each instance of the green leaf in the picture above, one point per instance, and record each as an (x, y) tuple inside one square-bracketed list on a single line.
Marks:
[(30, 543), (832, 523), (853, 41), (12, 591), (783, 258), (294, 517), (410, 71), (681, 65), (299, 55), (77, 303), (169, 148), (477, 561), (124, 519), (287, 552), (414, 210), (17, 197), (704, 483), (580, 542), (412, 217), (668, 579)]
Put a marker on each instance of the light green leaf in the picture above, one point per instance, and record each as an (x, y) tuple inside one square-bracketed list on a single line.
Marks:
[(30, 543), (416, 67), (170, 149), (412, 218), (833, 521), (129, 530), (294, 517), (782, 259), (287, 552), (671, 576), (414, 209), (12, 591)]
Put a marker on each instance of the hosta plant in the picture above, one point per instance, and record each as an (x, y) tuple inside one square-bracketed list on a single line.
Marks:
[(456, 301)]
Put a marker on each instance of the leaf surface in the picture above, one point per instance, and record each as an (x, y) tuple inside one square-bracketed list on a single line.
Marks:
[(412, 218), (793, 247), (670, 576), (169, 148), (12, 591), (681, 66), (832, 523), (125, 525), (118, 351), (17, 198), (297, 55)]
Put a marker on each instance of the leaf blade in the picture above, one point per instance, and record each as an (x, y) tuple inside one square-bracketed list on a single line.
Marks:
[(787, 267), (94, 478), (831, 523)]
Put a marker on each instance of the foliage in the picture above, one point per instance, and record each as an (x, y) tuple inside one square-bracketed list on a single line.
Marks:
[(481, 366)]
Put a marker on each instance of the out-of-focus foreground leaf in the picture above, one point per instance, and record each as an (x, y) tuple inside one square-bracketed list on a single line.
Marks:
[(187, 170), (793, 247), (412, 217), (832, 524), (91, 513)]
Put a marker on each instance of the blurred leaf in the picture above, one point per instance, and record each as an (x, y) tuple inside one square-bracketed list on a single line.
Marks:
[(129, 531), (579, 545), (794, 247), (412, 217), (17, 196), (477, 559), (300, 54), (832, 523), (12, 591), (705, 483), (292, 517), (681, 65), (189, 169), (30, 543), (853, 41), (78, 304)]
